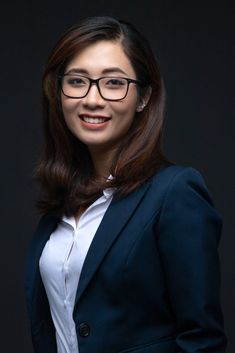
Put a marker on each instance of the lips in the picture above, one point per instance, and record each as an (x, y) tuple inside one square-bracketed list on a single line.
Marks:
[(93, 119)]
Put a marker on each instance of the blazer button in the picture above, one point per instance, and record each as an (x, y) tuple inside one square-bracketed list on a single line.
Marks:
[(84, 329)]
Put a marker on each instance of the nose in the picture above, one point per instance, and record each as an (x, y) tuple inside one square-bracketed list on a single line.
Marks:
[(93, 97)]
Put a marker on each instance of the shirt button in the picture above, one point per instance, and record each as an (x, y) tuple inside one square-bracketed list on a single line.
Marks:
[(84, 329)]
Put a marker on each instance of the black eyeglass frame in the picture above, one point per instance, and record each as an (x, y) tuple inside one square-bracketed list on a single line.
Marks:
[(96, 82)]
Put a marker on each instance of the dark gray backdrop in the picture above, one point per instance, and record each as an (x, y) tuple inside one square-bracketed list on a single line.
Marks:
[(194, 43)]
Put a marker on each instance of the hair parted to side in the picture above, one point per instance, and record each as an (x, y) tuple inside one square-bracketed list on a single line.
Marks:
[(65, 169)]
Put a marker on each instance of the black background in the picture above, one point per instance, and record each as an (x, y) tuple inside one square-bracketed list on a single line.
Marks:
[(194, 41)]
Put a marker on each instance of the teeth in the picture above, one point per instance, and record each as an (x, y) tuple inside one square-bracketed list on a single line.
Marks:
[(93, 120)]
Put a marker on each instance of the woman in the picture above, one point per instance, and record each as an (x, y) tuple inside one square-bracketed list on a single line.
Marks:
[(125, 257)]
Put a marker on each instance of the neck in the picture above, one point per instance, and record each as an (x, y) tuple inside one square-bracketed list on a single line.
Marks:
[(102, 161)]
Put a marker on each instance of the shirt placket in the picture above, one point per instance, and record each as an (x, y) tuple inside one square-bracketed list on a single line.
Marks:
[(67, 295)]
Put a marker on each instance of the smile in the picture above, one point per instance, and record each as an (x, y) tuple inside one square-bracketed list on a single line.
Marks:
[(94, 120)]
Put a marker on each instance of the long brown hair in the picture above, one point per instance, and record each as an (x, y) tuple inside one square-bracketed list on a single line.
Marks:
[(65, 169)]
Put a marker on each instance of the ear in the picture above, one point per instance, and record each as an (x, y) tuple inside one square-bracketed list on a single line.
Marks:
[(144, 99)]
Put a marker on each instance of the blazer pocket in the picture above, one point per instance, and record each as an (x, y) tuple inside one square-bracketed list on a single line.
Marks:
[(167, 345)]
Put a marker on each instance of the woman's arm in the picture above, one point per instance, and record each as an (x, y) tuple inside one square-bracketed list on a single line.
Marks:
[(189, 233)]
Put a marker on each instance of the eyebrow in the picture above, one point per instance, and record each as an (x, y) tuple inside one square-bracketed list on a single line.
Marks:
[(105, 71)]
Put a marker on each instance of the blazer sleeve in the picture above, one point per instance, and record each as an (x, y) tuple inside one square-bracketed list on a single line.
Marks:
[(189, 230)]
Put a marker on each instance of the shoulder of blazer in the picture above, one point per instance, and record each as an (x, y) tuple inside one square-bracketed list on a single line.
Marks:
[(177, 179), (176, 173), (167, 175)]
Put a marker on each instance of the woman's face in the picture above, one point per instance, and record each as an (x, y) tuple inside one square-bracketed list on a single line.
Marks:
[(99, 123)]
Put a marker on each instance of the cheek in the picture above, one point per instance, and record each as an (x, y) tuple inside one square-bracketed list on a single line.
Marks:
[(68, 105), (126, 108), (69, 109)]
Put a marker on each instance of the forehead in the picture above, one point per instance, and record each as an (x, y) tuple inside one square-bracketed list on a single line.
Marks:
[(101, 56)]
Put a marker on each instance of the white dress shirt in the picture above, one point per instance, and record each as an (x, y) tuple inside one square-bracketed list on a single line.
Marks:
[(61, 264)]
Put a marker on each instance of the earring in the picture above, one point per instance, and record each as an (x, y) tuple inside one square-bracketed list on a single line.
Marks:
[(141, 106)]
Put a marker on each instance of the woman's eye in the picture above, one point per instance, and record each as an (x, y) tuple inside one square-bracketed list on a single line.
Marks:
[(76, 81), (115, 82)]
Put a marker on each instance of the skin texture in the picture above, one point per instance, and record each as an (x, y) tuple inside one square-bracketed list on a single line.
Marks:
[(101, 139)]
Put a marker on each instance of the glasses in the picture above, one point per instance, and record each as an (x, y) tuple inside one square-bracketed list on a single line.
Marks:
[(110, 88)]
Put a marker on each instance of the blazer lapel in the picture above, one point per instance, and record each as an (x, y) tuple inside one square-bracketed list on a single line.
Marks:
[(44, 229), (114, 220)]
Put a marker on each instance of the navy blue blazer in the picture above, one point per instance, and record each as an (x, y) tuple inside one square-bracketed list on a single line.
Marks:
[(150, 282)]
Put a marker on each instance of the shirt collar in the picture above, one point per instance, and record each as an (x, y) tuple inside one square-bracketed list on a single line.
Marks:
[(108, 192), (69, 221)]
